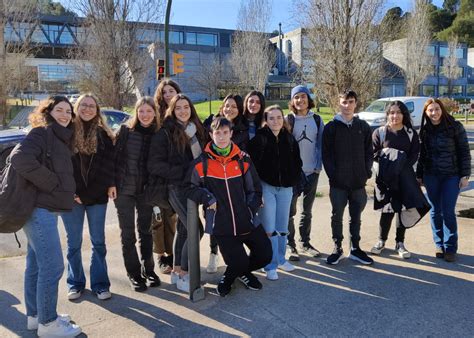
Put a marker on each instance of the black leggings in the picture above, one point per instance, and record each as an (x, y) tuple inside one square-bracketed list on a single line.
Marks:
[(385, 224)]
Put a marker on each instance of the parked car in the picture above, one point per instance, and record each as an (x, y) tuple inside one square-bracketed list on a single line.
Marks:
[(10, 137), (374, 114)]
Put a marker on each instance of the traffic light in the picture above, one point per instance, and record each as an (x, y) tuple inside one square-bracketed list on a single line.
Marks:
[(178, 63), (160, 69)]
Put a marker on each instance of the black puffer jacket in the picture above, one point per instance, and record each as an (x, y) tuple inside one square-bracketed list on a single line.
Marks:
[(165, 160), (97, 174), (55, 180), (347, 153), (240, 130), (444, 150), (276, 158)]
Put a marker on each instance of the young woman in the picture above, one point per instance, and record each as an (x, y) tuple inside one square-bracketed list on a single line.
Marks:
[(52, 174), (397, 134), (444, 168), (254, 105), (174, 147), (276, 156), (232, 108), (164, 230), (93, 162), (131, 175)]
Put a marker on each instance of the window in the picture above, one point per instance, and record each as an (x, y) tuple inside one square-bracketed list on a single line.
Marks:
[(38, 36), (443, 91), (470, 90), (147, 35), (66, 37), (442, 69), (52, 31), (427, 90), (431, 50), (191, 38), (10, 34), (444, 52), (201, 39), (410, 105), (225, 40)]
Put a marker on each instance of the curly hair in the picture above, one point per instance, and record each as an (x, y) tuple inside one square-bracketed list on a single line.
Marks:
[(41, 116)]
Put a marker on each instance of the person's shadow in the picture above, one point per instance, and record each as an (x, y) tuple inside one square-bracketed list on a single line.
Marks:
[(11, 319)]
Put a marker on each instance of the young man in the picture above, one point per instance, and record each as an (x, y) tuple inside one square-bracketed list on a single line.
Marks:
[(347, 159), (307, 128), (225, 181)]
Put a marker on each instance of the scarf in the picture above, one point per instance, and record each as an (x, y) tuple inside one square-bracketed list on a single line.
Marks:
[(190, 130)]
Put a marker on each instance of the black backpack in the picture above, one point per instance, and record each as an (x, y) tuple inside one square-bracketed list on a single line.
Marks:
[(18, 195), (291, 121)]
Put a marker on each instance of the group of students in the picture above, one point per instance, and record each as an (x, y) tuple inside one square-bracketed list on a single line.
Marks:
[(248, 166)]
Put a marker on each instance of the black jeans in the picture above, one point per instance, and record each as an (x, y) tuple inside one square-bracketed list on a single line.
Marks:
[(308, 197), (236, 258), (385, 224), (357, 200), (126, 206)]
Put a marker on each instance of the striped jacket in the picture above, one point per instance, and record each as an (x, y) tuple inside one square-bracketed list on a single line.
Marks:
[(232, 182)]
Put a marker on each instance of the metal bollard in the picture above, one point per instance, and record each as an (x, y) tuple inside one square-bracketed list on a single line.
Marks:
[(196, 291)]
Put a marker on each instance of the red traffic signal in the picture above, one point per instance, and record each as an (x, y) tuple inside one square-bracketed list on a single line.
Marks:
[(160, 69)]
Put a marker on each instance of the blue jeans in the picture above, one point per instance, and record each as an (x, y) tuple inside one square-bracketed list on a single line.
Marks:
[(74, 224), (357, 200), (443, 193), (44, 265), (274, 215), (309, 194)]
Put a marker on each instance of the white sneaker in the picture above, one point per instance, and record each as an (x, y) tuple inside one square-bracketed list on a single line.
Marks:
[(58, 328), (103, 295), (272, 275), (174, 277), (378, 247), (213, 262), (74, 294), (287, 266), (32, 322), (183, 283), (402, 251)]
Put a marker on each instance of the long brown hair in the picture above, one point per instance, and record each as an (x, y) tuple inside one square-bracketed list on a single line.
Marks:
[(267, 110), (41, 116), (132, 123), (445, 117), (158, 97), (87, 144), (178, 135)]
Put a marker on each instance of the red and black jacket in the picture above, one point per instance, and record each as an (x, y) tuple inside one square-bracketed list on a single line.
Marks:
[(232, 182)]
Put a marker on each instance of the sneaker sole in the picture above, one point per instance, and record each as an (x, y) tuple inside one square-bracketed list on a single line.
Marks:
[(336, 261), (355, 258), (74, 296), (248, 286), (309, 254), (376, 252)]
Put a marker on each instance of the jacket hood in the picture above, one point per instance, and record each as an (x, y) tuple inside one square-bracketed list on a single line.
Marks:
[(341, 119), (235, 153)]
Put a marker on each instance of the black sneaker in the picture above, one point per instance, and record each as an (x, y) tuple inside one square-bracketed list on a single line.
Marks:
[(335, 257), (294, 256), (250, 281), (360, 256), (138, 284), (152, 279), (224, 286), (163, 264), (309, 250)]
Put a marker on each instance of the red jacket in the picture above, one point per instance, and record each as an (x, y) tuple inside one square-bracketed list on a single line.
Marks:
[(233, 183)]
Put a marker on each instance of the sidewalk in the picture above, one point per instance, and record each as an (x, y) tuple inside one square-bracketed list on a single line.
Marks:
[(422, 296)]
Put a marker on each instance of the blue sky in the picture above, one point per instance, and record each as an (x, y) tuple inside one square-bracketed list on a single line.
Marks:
[(223, 13)]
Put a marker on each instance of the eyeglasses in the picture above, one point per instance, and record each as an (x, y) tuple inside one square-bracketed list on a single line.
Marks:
[(90, 106)]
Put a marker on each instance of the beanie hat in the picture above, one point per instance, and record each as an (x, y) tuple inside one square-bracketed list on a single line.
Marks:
[(300, 89)]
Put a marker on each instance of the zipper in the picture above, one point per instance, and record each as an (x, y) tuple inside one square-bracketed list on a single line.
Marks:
[(278, 159), (230, 199), (85, 178)]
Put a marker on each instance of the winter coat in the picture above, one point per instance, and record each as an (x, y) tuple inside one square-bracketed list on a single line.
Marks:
[(276, 158), (230, 181), (94, 173), (444, 150), (347, 153), (240, 130), (55, 178)]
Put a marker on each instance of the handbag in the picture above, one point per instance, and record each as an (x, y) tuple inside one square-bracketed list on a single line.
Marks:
[(156, 192)]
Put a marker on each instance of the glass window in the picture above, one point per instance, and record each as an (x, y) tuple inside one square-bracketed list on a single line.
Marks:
[(470, 90), (175, 37), (427, 90), (81, 34), (443, 90), (191, 38), (225, 40), (206, 39), (444, 52), (431, 50), (39, 36), (66, 37), (10, 34), (410, 105), (441, 71), (148, 35)]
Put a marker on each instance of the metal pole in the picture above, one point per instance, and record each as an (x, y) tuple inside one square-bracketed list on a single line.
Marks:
[(167, 47), (196, 292)]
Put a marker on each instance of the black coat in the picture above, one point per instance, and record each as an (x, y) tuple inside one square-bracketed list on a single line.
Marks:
[(276, 158), (165, 160), (55, 180), (240, 130), (347, 153), (444, 150), (93, 183)]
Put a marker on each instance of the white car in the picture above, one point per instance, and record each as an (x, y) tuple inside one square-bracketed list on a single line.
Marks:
[(375, 116)]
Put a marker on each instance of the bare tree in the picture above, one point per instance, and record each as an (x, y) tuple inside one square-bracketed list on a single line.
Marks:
[(252, 54), (451, 69), (17, 18), (112, 64), (418, 59), (345, 46)]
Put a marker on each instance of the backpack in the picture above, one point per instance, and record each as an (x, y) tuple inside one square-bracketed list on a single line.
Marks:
[(18, 195), (291, 121)]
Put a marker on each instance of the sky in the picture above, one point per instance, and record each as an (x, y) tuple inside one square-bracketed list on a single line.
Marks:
[(223, 13)]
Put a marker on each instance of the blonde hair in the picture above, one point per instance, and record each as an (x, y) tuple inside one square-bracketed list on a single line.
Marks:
[(132, 123)]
